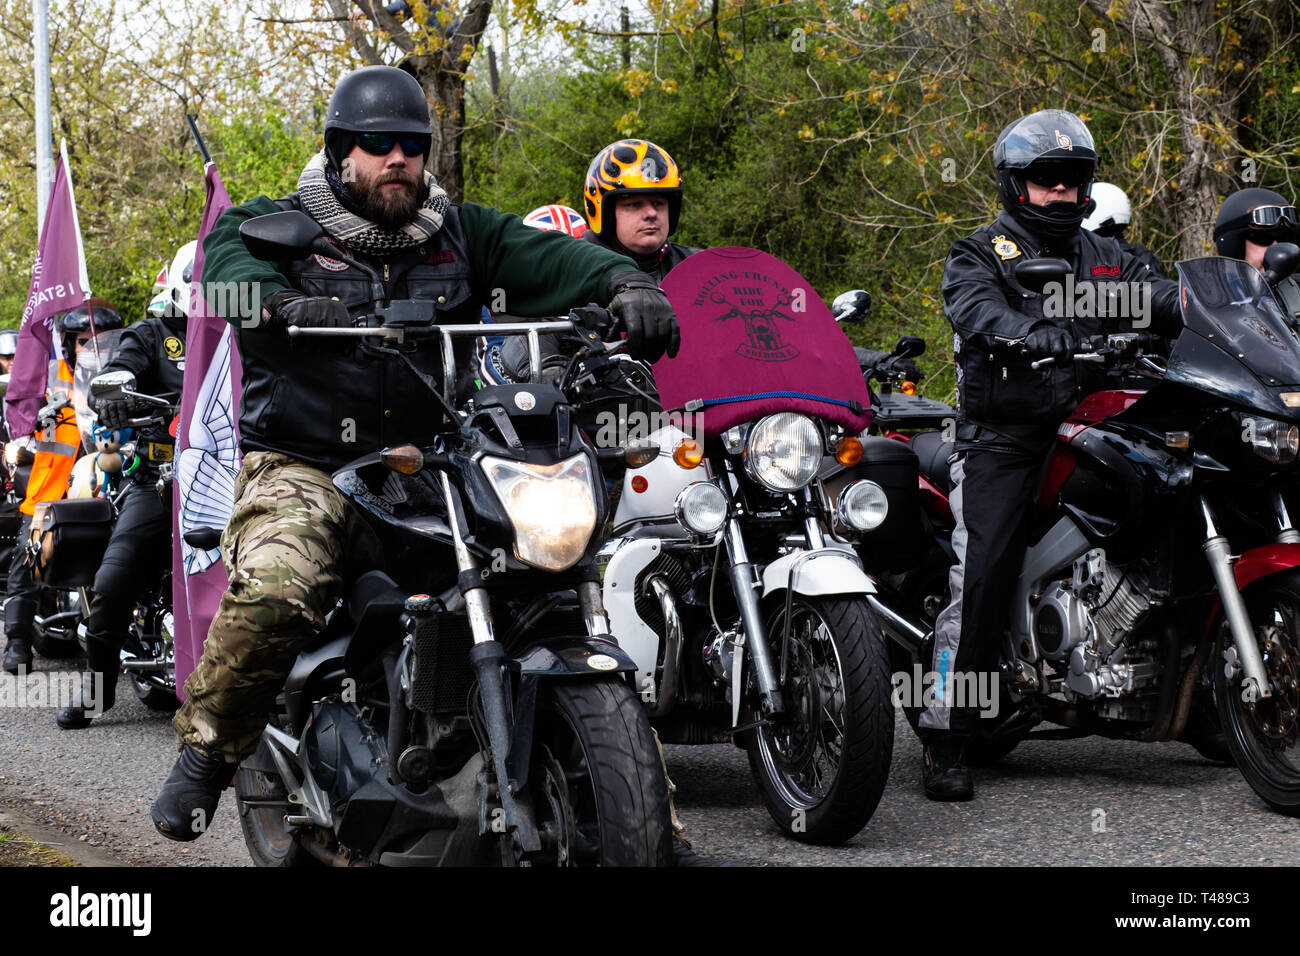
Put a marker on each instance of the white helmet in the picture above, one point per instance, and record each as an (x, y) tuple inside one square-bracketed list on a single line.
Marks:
[(179, 275), (1113, 208)]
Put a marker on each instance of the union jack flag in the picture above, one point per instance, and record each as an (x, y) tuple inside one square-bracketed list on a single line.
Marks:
[(557, 219)]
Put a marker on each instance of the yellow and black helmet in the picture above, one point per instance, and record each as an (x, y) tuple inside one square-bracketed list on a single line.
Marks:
[(628, 166)]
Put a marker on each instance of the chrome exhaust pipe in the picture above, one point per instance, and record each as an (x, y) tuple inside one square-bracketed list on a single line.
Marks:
[(898, 627), (667, 690)]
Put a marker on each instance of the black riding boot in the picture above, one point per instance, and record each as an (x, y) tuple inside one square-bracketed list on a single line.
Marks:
[(184, 808), (18, 654), (98, 686)]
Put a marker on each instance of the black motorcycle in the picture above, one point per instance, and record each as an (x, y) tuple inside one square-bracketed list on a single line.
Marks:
[(466, 703)]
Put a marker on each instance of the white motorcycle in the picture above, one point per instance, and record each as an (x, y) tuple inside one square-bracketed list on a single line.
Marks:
[(748, 619)]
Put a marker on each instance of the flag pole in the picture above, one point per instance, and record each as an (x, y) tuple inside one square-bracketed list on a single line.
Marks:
[(198, 139), (44, 135)]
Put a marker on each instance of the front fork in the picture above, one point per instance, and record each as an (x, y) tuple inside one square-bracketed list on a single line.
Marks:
[(1219, 554), (488, 659), (746, 585)]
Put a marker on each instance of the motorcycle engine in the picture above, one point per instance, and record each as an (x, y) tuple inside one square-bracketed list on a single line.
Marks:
[(1083, 622)]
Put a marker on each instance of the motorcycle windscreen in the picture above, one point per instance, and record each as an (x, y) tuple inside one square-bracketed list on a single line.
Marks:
[(90, 362), (756, 339), (1236, 341)]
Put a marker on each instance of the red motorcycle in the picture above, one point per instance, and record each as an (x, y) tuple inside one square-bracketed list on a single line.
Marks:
[(1159, 598)]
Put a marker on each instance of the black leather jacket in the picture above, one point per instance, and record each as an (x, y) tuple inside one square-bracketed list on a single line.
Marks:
[(328, 401), (992, 313), (154, 351)]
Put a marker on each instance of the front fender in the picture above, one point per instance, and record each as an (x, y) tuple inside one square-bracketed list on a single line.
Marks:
[(824, 571), (1265, 560), (551, 659)]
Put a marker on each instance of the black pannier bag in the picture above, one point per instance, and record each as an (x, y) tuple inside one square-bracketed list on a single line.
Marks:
[(68, 540)]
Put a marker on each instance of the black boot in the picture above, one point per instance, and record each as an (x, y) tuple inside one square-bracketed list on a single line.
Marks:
[(18, 654), (98, 688), (183, 811), (944, 770)]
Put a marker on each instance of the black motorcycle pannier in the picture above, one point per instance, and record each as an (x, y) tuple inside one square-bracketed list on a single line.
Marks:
[(68, 539), (898, 543)]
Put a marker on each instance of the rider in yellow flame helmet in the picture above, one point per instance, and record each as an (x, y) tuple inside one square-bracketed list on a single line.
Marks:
[(633, 198)]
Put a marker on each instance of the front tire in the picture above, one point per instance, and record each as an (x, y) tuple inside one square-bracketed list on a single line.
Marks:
[(822, 769), (596, 781), (1263, 734)]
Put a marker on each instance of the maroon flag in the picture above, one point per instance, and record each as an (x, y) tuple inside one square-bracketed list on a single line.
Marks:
[(207, 455), (59, 283)]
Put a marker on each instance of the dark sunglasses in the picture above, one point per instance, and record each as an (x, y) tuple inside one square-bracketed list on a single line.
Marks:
[(1265, 216), (1268, 238), (381, 144), (1049, 176)]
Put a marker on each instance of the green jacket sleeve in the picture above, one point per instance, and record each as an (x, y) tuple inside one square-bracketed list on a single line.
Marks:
[(227, 260), (540, 273)]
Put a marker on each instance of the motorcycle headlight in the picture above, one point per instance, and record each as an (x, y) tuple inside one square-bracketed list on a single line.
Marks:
[(11, 453), (863, 506), (784, 451), (1272, 440), (552, 508), (702, 508)]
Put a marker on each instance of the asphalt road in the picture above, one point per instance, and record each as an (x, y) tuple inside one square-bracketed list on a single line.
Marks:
[(1078, 802)]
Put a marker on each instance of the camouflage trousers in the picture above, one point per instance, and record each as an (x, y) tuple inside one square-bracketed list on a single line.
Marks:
[(289, 543)]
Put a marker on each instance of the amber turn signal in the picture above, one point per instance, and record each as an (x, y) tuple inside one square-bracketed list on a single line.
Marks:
[(404, 459), (849, 450), (688, 453), (908, 388)]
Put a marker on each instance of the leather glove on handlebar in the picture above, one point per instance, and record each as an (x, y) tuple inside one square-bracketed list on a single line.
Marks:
[(114, 413), (1047, 340), (290, 308), (646, 314)]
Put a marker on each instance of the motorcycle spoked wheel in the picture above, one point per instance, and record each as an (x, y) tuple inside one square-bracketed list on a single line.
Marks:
[(270, 841), (596, 783), (1263, 734), (823, 767)]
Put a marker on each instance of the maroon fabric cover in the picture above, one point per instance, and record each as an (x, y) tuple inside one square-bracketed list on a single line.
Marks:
[(751, 324)]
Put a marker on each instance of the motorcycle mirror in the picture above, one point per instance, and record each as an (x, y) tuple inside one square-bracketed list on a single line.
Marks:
[(909, 346), (111, 383), (1036, 274), (1280, 260), (203, 539), (281, 235), (851, 306)]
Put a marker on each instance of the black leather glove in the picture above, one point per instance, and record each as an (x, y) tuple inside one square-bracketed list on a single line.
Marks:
[(289, 308), (1046, 339), (644, 311), (114, 413), (911, 371)]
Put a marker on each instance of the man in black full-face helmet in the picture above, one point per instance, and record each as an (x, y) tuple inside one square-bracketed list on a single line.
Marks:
[(1009, 412)]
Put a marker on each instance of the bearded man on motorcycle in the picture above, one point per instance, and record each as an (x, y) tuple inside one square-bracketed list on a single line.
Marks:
[(308, 409), (1009, 412), (1251, 220), (141, 544)]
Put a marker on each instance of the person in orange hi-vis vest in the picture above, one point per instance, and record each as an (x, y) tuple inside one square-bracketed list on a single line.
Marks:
[(56, 443)]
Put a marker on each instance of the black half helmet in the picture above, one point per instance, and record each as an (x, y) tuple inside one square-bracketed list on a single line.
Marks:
[(77, 320), (1237, 219), (1046, 140), (374, 99)]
